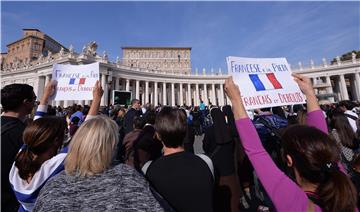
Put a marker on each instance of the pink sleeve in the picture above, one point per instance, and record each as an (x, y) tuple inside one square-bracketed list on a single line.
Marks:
[(317, 119), (284, 193)]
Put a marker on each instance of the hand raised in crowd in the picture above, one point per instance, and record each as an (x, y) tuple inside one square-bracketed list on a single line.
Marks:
[(97, 91), (306, 87), (233, 92), (48, 92), (304, 84), (97, 94)]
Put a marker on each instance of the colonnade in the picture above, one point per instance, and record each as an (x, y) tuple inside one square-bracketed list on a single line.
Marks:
[(165, 93), (343, 86), (153, 92)]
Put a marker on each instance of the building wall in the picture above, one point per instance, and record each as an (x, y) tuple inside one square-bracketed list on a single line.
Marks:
[(169, 60), (32, 46)]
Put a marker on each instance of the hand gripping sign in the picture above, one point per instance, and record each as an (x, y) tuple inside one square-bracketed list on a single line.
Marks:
[(75, 82), (264, 82)]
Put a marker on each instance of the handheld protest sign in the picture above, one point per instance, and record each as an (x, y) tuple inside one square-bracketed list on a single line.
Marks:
[(264, 82), (75, 82)]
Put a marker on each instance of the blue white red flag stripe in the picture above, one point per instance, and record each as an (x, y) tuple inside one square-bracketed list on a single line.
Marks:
[(264, 82)]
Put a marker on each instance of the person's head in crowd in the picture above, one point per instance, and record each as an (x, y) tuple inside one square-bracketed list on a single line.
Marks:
[(340, 123), (18, 98), (278, 111), (196, 109), (296, 108), (312, 158), (346, 105), (149, 117), (121, 112), (79, 108), (42, 140), (75, 120), (86, 109), (59, 108), (266, 109), (93, 147), (138, 122), (74, 126), (135, 103), (171, 126), (51, 111)]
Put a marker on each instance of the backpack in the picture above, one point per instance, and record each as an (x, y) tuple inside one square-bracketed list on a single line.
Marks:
[(269, 130), (208, 121)]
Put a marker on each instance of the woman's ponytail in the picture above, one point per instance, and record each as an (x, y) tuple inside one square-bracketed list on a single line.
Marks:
[(337, 193), (42, 135), (316, 158), (25, 162)]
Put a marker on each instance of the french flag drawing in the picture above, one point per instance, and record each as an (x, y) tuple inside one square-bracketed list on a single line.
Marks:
[(77, 81), (264, 82)]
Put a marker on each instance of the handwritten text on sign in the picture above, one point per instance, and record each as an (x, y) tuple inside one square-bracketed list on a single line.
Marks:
[(75, 82), (264, 82)]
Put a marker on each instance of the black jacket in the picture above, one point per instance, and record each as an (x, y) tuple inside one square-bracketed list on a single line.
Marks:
[(11, 141), (129, 119)]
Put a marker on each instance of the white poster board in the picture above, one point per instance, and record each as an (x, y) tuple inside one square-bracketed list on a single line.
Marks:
[(75, 82), (264, 82)]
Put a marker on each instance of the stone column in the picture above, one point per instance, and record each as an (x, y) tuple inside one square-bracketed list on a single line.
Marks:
[(337, 88), (117, 83), (164, 94), (110, 88), (47, 79), (357, 84), (137, 86), (146, 92), (313, 81), (206, 100), (189, 94), (181, 103), (39, 87), (344, 93), (197, 102), (221, 102), (66, 103), (329, 90), (127, 85), (213, 97), (155, 94), (104, 86), (172, 94)]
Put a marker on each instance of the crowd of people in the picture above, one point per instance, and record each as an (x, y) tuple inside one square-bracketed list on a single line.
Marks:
[(142, 158)]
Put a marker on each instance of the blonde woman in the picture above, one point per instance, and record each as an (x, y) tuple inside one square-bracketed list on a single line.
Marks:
[(90, 182)]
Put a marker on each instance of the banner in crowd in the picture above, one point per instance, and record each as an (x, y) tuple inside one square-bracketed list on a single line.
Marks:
[(264, 82), (75, 82)]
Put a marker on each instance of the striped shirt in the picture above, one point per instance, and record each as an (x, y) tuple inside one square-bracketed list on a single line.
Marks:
[(26, 193)]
